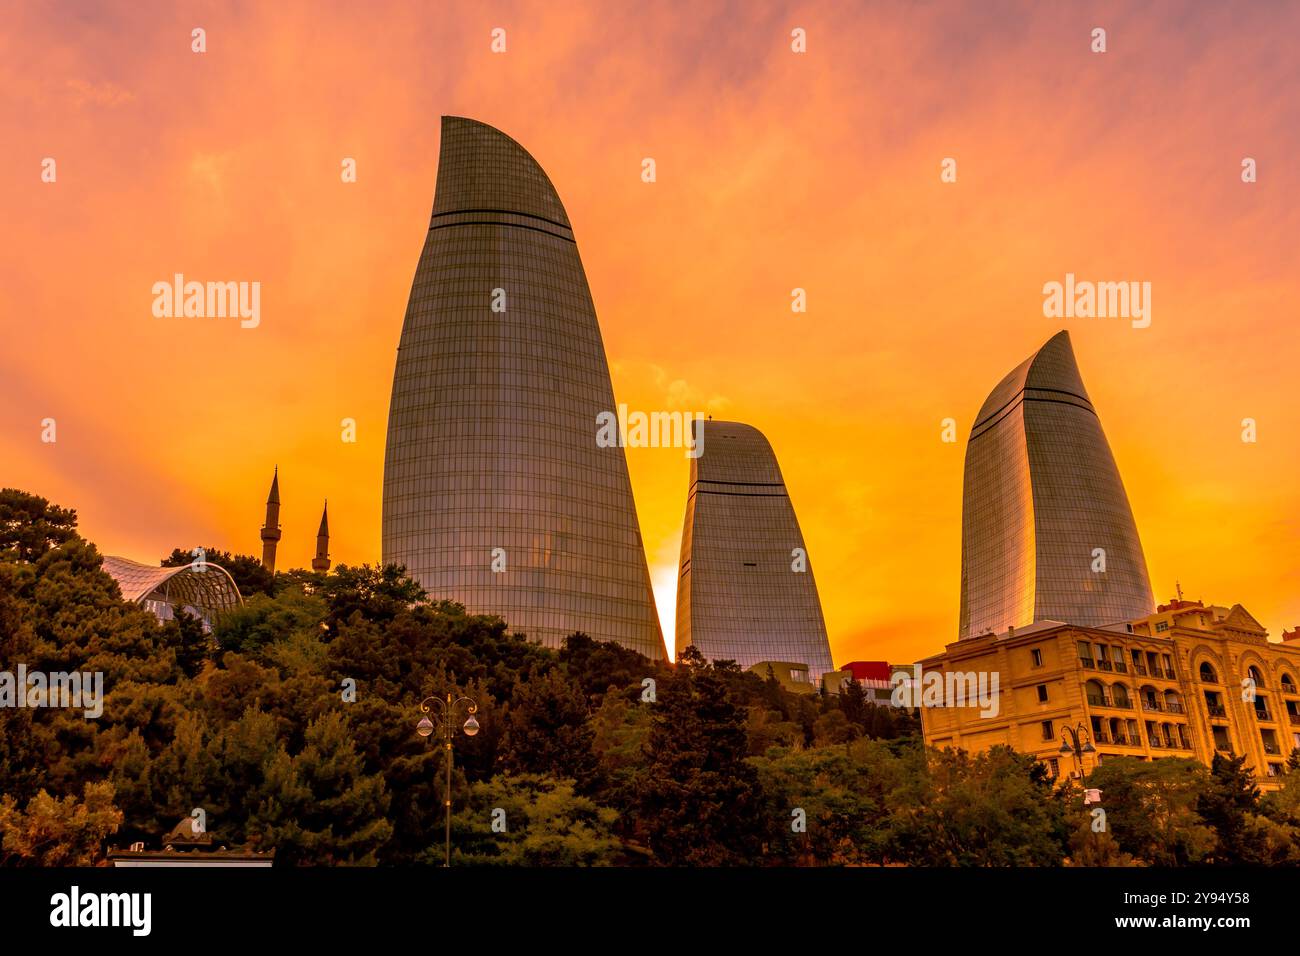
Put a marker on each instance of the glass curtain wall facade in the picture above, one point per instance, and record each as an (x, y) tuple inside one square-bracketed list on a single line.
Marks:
[(739, 595), (496, 494), (1047, 532)]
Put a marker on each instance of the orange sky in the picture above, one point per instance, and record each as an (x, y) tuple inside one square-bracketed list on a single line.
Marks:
[(775, 171)]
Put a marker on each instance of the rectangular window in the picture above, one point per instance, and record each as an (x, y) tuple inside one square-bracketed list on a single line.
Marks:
[(1042, 693), (1049, 732), (1162, 626), (1037, 655)]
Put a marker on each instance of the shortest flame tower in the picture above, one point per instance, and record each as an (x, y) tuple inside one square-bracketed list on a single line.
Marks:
[(745, 590)]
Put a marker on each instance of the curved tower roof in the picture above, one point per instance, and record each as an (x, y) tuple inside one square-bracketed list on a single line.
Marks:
[(1043, 507), (739, 595), (496, 494)]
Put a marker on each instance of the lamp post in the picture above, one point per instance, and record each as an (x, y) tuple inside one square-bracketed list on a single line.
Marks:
[(445, 711), (1078, 744)]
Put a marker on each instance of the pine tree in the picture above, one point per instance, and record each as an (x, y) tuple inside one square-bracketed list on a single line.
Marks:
[(1227, 807), (699, 801)]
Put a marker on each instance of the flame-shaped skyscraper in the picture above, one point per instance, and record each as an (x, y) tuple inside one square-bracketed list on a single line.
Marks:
[(496, 493), (1047, 532)]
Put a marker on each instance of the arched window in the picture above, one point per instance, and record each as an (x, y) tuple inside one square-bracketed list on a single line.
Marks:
[(1207, 674), (1253, 673), (1120, 695), (1288, 683), (1096, 693)]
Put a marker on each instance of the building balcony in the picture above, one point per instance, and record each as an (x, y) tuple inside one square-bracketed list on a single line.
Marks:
[(1105, 700), (1087, 662), (1215, 710), (1271, 748), (1140, 669), (1173, 706), (1121, 667), (1293, 717), (1262, 713), (1104, 665), (1151, 704)]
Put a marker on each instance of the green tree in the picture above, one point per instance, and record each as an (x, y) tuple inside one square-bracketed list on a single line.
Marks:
[(547, 730), (996, 808), (1151, 808), (531, 820), (698, 801), (320, 807), (1226, 804), (827, 806), (58, 832), (30, 526)]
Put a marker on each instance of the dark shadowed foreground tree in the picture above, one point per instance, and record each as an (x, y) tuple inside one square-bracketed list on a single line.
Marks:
[(293, 725), (31, 526), (547, 729), (995, 808), (1151, 808), (1244, 833), (699, 801)]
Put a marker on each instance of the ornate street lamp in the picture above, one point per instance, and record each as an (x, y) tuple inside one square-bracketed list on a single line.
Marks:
[(445, 711), (1078, 744)]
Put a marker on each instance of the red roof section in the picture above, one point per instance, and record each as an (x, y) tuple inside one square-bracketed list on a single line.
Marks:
[(868, 670)]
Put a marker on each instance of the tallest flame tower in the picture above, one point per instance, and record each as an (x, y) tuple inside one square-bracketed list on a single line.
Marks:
[(496, 494)]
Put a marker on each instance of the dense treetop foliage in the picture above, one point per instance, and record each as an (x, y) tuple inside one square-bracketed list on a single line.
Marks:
[(292, 725)]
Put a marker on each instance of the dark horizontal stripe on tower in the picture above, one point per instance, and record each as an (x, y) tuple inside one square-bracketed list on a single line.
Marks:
[(1020, 393), (567, 235), (512, 225), (501, 212), (777, 490), (754, 484), (1009, 407)]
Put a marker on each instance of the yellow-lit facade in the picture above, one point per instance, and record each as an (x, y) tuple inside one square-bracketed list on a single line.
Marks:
[(1188, 681)]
